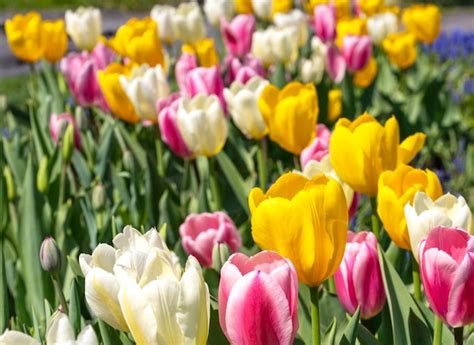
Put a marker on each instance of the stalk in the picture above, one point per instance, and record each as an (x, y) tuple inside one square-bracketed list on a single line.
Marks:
[(438, 327), (374, 218), (262, 163), (416, 279), (315, 315)]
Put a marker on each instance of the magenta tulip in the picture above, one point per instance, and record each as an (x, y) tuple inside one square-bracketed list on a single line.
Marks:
[(237, 34), (80, 72), (167, 119), (200, 232), (318, 148), (357, 51), (325, 22), (58, 125), (359, 279), (335, 64), (184, 65), (446, 259), (258, 299), (243, 70), (206, 81)]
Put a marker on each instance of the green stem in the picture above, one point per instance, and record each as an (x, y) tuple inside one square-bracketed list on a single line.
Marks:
[(59, 292), (262, 163), (458, 335), (296, 162), (374, 217), (438, 326), (62, 184), (216, 196), (159, 155), (315, 314), (416, 279), (332, 285)]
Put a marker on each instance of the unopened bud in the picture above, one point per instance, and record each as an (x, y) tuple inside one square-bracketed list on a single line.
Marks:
[(220, 254), (68, 143), (98, 197), (7, 173), (50, 255), (82, 120), (42, 178), (128, 163)]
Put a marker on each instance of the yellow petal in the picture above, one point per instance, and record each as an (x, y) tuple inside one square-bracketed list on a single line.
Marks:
[(410, 147)]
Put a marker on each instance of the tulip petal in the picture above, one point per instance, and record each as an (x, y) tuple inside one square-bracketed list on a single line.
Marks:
[(393, 217), (15, 337), (410, 147), (60, 330), (87, 337), (230, 274)]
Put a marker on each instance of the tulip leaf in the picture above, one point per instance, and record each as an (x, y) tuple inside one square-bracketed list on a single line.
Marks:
[(75, 307), (350, 331), (90, 221), (108, 334), (103, 153), (401, 305), (216, 336), (365, 337), (42, 142), (235, 180), (80, 167), (4, 313), (330, 334)]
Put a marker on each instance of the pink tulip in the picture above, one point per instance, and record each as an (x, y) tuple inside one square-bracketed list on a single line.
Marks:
[(206, 81), (237, 35), (318, 148), (335, 64), (167, 109), (184, 65), (200, 232), (243, 70), (58, 125), (325, 22), (357, 51), (258, 299), (446, 258), (80, 72), (359, 279)]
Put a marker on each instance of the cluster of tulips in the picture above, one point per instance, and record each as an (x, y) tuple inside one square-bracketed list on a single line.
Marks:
[(261, 66)]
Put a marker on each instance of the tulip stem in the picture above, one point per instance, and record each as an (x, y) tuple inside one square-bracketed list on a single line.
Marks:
[(416, 278), (458, 335), (159, 155), (59, 292), (62, 184), (216, 196), (332, 285), (262, 163), (375, 218), (315, 314), (438, 327), (296, 162)]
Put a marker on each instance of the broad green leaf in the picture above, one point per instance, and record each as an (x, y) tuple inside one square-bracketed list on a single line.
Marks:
[(75, 307), (350, 331), (81, 168), (4, 312), (103, 153), (329, 337), (109, 335), (365, 337)]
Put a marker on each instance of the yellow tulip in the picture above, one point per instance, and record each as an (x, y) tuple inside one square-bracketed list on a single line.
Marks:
[(290, 114), (396, 189), (243, 6), (400, 48), (25, 36), (343, 7), (281, 6), (117, 100), (303, 220), (365, 76), (334, 104), (371, 7), (424, 21), (205, 50), (55, 41), (362, 149), (353, 26), (138, 40)]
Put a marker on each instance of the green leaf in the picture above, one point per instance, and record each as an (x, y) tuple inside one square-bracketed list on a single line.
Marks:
[(235, 180), (365, 337), (109, 335), (4, 312), (81, 168), (103, 153), (350, 332), (330, 335)]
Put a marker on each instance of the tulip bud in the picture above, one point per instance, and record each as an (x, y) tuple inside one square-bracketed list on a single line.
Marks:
[(127, 159), (68, 143), (220, 254), (82, 119), (98, 197), (7, 173), (50, 255), (42, 178)]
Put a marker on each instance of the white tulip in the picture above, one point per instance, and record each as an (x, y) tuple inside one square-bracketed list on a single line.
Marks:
[(426, 214), (263, 8), (60, 332), (380, 25), (324, 166), (15, 338), (202, 124), (169, 310), (164, 15), (188, 23), (242, 102), (144, 87), (215, 9), (84, 26), (297, 19), (312, 69), (275, 45)]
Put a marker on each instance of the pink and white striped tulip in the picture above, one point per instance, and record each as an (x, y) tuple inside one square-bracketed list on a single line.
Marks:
[(243, 70), (206, 81), (318, 148), (58, 125), (359, 279), (80, 72), (335, 63), (167, 110), (325, 22), (184, 65), (446, 258), (357, 51), (258, 299), (200, 232), (237, 34)]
